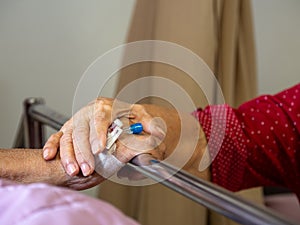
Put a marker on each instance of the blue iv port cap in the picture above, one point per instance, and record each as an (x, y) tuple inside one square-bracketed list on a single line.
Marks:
[(136, 128)]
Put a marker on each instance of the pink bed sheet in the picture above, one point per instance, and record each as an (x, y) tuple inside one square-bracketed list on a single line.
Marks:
[(34, 204)]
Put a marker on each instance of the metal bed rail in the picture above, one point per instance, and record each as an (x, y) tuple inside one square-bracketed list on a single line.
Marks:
[(31, 135)]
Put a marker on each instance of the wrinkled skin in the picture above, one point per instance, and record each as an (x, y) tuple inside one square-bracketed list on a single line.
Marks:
[(85, 134)]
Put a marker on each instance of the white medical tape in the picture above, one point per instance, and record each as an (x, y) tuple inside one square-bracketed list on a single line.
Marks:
[(107, 164)]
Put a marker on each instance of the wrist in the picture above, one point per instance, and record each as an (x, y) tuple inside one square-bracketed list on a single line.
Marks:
[(185, 133), (172, 121)]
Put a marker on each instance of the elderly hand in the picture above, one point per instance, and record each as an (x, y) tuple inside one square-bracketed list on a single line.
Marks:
[(85, 134), (28, 166)]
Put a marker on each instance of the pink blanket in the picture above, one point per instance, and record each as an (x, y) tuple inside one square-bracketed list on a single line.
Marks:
[(43, 204)]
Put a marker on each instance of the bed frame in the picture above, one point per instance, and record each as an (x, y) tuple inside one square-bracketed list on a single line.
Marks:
[(31, 134)]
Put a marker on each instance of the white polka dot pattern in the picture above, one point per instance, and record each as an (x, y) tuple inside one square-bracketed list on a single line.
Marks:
[(262, 142)]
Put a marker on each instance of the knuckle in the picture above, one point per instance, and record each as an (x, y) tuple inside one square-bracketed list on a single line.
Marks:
[(139, 108), (80, 130), (65, 140), (50, 143), (99, 117), (56, 136)]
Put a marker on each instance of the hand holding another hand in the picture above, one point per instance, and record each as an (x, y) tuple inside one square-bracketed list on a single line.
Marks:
[(85, 135)]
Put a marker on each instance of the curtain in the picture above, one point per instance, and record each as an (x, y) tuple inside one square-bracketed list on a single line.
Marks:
[(221, 33)]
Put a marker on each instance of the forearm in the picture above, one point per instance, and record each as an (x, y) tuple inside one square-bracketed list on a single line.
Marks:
[(260, 146), (27, 166)]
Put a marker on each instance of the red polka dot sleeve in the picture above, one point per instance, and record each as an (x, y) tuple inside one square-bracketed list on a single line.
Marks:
[(260, 142)]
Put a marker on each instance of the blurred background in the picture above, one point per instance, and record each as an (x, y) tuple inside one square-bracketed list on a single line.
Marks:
[(45, 47)]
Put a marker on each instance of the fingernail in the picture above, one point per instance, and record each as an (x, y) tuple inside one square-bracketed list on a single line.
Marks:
[(162, 133), (46, 153), (71, 169), (96, 148), (85, 168)]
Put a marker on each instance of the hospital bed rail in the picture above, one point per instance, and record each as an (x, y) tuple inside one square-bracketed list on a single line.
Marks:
[(31, 134)]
